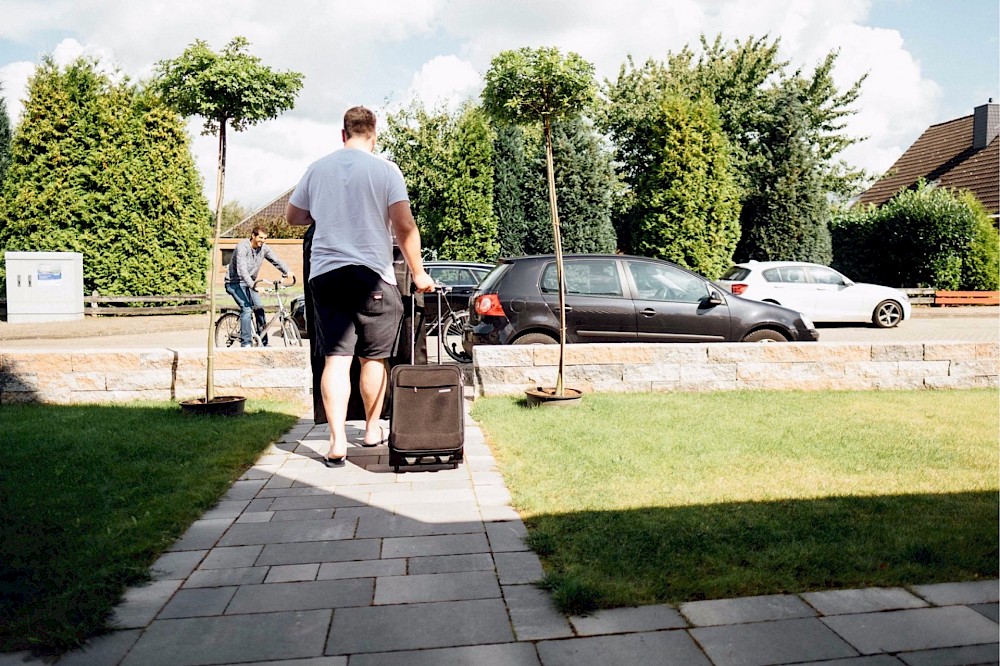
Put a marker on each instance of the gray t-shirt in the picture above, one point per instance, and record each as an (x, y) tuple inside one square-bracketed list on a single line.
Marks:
[(348, 193)]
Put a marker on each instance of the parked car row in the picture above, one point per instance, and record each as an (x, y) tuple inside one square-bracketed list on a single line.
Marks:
[(617, 298), (621, 298)]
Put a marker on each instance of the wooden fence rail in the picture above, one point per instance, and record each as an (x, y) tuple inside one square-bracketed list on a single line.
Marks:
[(179, 304), (967, 298)]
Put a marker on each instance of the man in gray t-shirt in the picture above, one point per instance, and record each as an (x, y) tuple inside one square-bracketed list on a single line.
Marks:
[(358, 202)]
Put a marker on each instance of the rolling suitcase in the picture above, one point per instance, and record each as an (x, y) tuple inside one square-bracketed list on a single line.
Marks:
[(427, 418)]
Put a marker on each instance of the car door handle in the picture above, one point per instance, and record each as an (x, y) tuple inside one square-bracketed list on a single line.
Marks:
[(648, 312)]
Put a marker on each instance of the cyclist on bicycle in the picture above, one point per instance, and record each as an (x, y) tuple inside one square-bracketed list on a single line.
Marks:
[(247, 259)]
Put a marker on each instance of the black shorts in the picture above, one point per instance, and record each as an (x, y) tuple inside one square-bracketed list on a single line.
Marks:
[(357, 313)]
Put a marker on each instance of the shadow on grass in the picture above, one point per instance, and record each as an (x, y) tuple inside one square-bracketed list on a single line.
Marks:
[(600, 559), (91, 495)]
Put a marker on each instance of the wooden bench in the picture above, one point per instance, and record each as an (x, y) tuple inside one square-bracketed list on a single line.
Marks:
[(967, 298)]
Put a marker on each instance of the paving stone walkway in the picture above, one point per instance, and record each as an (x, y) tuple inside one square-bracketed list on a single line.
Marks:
[(301, 565)]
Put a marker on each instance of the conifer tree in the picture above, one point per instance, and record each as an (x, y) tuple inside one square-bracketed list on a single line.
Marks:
[(468, 229), (786, 215), (4, 138), (750, 88), (586, 182), (104, 169), (510, 175), (682, 203)]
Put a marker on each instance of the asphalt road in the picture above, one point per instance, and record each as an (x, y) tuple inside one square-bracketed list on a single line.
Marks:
[(967, 324)]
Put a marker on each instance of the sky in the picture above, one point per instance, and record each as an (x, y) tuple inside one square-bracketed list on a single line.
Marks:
[(926, 61)]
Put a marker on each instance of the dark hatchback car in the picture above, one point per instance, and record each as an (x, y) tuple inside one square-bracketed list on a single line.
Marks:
[(461, 276), (618, 298)]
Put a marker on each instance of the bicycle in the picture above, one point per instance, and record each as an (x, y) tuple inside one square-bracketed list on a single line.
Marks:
[(452, 324), (227, 326)]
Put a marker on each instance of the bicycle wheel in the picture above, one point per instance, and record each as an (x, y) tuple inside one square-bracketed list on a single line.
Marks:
[(227, 330), (452, 327), (290, 333)]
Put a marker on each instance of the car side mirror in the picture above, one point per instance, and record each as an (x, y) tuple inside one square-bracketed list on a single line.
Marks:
[(848, 282), (714, 298)]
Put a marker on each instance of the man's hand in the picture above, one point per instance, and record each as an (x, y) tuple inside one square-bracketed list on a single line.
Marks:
[(289, 278), (423, 282)]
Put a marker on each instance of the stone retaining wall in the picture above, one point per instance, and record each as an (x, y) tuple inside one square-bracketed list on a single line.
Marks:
[(500, 370), (94, 375)]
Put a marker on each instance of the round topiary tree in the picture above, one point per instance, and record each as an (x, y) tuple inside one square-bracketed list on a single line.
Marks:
[(527, 85), (227, 88)]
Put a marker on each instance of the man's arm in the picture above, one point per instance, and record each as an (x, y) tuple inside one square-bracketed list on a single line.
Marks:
[(297, 217), (408, 237), (271, 256)]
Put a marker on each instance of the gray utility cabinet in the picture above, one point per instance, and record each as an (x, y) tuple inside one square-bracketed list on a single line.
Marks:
[(44, 286)]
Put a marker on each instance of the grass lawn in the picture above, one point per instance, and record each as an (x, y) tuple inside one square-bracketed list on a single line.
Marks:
[(649, 498), (90, 495)]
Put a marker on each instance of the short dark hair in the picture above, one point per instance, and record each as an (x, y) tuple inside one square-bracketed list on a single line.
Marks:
[(258, 230), (359, 120)]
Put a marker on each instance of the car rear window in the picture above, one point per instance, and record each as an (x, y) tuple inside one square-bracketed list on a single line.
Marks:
[(492, 279), (453, 277), (736, 273)]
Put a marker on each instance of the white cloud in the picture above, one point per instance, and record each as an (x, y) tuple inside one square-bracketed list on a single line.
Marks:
[(14, 76), (14, 85), (445, 81), (263, 161), (23, 18)]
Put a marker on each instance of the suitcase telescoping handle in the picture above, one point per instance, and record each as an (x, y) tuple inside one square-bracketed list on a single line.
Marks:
[(413, 322)]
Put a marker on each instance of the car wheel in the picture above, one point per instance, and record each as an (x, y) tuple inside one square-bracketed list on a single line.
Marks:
[(887, 314), (535, 339), (764, 335)]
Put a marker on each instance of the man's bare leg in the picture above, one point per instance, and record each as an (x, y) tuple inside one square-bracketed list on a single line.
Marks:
[(335, 386), (373, 385)]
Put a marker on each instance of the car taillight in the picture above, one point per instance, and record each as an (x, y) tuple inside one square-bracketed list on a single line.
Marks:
[(488, 305), (739, 288)]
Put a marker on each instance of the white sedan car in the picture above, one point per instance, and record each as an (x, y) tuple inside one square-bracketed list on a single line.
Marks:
[(819, 292)]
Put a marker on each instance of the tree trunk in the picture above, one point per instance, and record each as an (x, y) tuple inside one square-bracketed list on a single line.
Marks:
[(557, 238), (220, 181)]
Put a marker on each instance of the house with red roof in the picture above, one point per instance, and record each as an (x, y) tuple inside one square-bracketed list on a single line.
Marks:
[(961, 154)]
